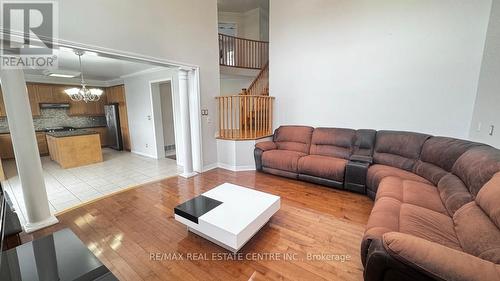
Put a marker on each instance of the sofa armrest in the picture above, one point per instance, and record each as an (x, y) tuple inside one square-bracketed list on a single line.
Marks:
[(361, 158), (257, 154), (438, 261), (266, 145)]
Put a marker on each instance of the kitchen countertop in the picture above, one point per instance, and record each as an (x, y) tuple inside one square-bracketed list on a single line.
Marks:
[(78, 132), (6, 131)]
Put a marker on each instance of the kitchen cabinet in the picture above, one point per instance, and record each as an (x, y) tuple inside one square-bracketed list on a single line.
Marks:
[(52, 93), (58, 94), (91, 108), (74, 150), (44, 93), (116, 94), (6, 148), (3, 113), (103, 134), (41, 139), (98, 106), (34, 100), (77, 108), (2, 173)]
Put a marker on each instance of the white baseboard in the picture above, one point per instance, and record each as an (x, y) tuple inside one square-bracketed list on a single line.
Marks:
[(169, 152), (188, 175), (143, 154), (210, 167), (237, 168), (32, 227)]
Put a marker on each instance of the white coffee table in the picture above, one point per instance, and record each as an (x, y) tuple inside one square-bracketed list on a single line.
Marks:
[(228, 215)]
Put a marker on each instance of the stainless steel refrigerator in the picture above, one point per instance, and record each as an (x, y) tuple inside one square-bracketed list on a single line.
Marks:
[(113, 125)]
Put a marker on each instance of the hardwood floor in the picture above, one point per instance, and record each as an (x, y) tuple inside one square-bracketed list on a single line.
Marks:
[(124, 230)]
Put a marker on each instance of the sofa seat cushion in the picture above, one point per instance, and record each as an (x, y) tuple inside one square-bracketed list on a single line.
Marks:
[(429, 225), (323, 166), (390, 214), (477, 223), (285, 160), (411, 192), (377, 172), (477, 234)]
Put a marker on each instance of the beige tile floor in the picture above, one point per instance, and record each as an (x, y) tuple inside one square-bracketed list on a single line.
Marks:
[(67, 188)]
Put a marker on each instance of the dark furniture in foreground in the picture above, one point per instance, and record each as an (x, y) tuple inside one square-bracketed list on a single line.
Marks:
[(10, 227), (58, 256), (437, 200)]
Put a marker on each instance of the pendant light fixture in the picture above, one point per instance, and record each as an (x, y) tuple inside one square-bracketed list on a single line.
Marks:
[(83, 93)]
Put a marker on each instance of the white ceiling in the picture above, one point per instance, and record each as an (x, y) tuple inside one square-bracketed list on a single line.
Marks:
[(241, 6), (95, 67)]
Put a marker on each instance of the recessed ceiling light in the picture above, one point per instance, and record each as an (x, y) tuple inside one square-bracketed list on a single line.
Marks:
[(61, 73)]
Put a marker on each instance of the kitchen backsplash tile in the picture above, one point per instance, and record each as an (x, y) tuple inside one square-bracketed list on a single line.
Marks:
[(52, 117)]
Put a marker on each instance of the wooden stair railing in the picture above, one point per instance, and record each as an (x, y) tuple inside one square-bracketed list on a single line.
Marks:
[(243, 53), (248, 115), (245, 117), (260, 85)]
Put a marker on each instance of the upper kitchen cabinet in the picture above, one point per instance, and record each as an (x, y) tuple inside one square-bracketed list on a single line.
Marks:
[(59, 95), (34, 101), (91, 108), (99, 105), (2, 105), (6, 148), (44, 93), (51, 93), (33, 98), (116, 94)]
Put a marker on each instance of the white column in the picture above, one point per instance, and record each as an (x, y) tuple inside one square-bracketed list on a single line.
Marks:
[(186, 124), (29, 166)]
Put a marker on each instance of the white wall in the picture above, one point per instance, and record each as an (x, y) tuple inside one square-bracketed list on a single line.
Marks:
[(487, 106), (233, 85), (248, 23), (142, 94), (167, 114), (175, 30), (237, 155), (410, 65)]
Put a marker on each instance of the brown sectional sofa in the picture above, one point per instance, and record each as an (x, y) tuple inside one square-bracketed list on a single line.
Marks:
[(437, 200)]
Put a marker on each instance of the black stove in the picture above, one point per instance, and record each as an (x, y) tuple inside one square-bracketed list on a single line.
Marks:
[(59, 129)]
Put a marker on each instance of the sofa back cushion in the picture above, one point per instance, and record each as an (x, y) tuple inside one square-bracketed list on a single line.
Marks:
[(398, 149), (488, 199), (477, 223), (294, 138), (365, 142), (477, 166), (438, 156), (333, 142), (453, 192)]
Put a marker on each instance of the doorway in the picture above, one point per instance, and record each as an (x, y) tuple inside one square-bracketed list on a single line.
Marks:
[(162, 92)]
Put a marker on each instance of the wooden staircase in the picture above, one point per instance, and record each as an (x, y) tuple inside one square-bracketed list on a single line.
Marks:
[(249, 114), (259, 87)]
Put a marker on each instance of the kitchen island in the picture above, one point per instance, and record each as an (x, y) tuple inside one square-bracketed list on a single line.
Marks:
[(74, 148)]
